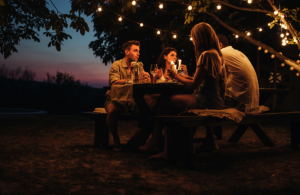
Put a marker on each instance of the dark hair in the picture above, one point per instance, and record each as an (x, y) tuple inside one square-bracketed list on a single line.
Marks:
[(128, 44), (204, 38), (223, 39), (161, 62)]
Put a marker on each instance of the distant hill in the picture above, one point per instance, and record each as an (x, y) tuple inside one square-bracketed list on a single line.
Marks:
[(51, 97)]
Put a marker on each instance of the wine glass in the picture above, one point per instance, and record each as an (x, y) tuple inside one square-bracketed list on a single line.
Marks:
[(153, 69)]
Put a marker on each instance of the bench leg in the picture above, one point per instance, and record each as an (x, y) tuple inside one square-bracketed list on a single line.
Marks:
[(239, 132), (101, 132), (295, 134), (218, 132), (262, 134), (180, 144)]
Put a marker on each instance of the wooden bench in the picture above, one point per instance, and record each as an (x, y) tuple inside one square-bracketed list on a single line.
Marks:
[(181, 130)]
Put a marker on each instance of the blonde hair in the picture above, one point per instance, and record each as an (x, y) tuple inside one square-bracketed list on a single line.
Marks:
[(204, 38)]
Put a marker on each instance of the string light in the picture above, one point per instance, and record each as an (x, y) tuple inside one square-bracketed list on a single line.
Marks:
[(100, 9), (219, 6), (120, 18), (191, 39), (141, 24), (286, 41), (287, 34), (283, 43), (269, 24), (292, 68), (174, 36), (282, 64), (249, 1), (281, 35), (275, 12), (298, 61), (280, 53), (248, 33), (133, 2), (259, 48), (260, 29), (297, 74), (161, 6), (190, 7), (266, 51), (272, 56), (158, 32), (236, 36)]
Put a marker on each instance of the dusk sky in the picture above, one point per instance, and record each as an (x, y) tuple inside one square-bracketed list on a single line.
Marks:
[(75, 57)]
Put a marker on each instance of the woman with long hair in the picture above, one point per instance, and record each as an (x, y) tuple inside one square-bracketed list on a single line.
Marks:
[(209, 80), (165, 58)]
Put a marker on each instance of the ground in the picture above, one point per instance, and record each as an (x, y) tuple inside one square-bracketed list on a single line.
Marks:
[(54, 154)]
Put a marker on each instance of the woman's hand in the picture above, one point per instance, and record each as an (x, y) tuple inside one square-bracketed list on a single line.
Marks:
[(146, 77), (171, 73), (184, 69)]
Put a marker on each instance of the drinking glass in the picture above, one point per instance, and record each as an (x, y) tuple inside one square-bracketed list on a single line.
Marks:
[(153, 69), (128, 77)]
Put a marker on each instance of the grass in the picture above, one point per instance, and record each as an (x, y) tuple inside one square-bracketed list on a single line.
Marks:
[(54, 154)]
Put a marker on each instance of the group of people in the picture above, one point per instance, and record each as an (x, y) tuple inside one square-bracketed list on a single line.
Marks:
[(224, 77)]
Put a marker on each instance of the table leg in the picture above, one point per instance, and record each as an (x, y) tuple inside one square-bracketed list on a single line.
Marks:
[(239, 132), (261, 134), (101, 132), (295, 134)]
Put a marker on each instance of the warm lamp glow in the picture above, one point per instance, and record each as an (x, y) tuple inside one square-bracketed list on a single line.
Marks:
[(282, 64), (236, 36), (260, 29), (120, 18), (281, 35), (249, 1), (161, 6), (259, 48), (174, 36), (248, 33), (292, 68), (191, 39), (133, 2), (269, 24), (158, 32), (141, 24), (272, 56), (266, 51), (100, 9), (276, 12), (297, 74), (219, 7), (190, 7)]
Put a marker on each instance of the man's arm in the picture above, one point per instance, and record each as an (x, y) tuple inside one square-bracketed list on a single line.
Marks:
[(114, 75)]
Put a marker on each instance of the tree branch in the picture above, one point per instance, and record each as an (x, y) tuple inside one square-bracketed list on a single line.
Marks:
[(257, 43)]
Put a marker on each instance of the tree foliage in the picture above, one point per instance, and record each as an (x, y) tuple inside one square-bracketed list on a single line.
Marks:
[(23, 19)]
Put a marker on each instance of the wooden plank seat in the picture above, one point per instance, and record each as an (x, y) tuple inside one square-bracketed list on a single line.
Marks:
[(181, 130), (101, 131)]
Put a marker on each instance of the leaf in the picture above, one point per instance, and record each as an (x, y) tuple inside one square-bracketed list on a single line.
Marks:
[(57, 46), (49, 44), (82, 31), (58, 31), (47, 27), (2, 3)]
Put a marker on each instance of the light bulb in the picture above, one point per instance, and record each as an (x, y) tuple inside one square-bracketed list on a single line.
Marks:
[(272, 56), (280, 53), (191, 39), (259, 48), (282, 15), (120, 18), (282, 64), (161, 6), (158, 32), (266, 51), (287, 34), (174, 36), (219, 7), (260, 29), (190, 7), (283, 43), (285, 27), (298, 61), (281, 35), (286, 41), (269, 24), (295, 40), (297, 74), (276, 12), (292, 68), (100, 9), (133, 2), (249, 1), (141, 24), (236, 36), (248, 33)]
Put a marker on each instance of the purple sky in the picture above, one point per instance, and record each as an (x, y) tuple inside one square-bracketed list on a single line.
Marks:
[(75, 57)]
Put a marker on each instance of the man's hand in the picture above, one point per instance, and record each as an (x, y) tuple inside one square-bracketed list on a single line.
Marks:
[(146, 77)]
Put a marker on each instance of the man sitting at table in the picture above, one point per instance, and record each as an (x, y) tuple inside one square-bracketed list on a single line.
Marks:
[(242, 84), (117, 76)]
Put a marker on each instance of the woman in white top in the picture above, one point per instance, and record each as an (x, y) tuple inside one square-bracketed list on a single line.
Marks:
[(167, 55)]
